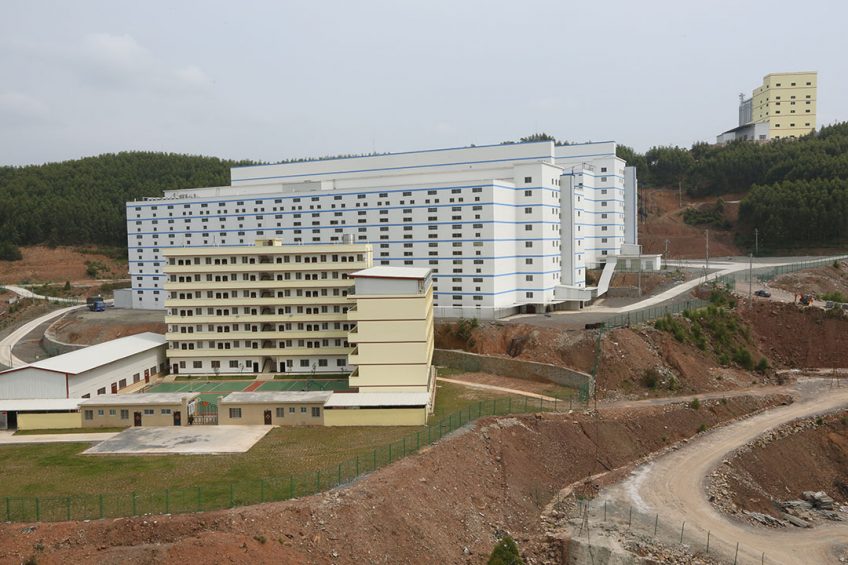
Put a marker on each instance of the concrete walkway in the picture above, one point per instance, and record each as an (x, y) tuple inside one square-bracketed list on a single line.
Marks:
[(6, 356), (498, 389), (7, 438), (25, 293)]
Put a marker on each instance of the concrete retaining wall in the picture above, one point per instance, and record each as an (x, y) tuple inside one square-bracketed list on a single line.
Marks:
[(623, 292), (506, 367)]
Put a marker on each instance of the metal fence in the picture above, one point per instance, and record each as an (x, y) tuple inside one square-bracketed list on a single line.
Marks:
[(677, 540), (653, 313), (215, 496)]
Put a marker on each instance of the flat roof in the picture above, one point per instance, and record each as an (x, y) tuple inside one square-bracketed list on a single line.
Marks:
[(279, 397), (353, 399), (139, 398), (392, 273), (33, 404), (94, 356)]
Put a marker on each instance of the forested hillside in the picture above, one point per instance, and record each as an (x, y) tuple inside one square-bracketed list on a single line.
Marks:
[(83, 201), (796, 190)]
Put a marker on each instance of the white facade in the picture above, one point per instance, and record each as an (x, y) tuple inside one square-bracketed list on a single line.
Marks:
[(486, 220), (99, 369)]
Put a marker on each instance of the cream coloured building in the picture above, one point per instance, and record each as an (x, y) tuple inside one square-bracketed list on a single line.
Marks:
[(393, 331), (139, 409), (263, 308), (784, 106)]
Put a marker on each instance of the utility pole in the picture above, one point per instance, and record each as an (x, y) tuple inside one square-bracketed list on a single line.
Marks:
[(707, 255), (756, 242), (680, 193), (751, 281), (666, 254)]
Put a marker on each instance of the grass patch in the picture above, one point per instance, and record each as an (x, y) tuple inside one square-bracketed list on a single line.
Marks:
[(67, 431), (60, 469)]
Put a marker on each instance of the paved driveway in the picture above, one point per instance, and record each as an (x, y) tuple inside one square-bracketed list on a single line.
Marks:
[(185, 440)]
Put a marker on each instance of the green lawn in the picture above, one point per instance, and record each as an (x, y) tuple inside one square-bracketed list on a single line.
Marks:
[(60, 469)]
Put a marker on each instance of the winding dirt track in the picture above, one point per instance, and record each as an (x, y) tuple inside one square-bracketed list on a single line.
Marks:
[(673, 487)]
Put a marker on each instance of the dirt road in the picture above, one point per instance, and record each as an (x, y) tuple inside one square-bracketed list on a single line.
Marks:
[(673, 487)]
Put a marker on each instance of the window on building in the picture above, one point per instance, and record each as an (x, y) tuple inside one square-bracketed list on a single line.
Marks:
[(235, 413), (528, 180), (125, 414), (303, 409), (281, 412), (149, 411), (89, 414), (316, 412), (165, 411)]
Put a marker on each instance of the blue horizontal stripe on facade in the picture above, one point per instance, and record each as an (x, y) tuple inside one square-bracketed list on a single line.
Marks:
[(254, 198), (446, 293), (384, 225)]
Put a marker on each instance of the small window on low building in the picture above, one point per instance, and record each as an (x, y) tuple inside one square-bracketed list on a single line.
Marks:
[(291, 410), (89, 414), (303, 409), (112, 412), (235, 412), (281, 412), (316, 412), (125, 414), (100, 411), (149, 411), (165, 411)]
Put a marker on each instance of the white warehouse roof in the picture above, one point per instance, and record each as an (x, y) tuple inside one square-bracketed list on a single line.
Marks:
[(39, 404), (94, 356), (355, 399), (392, 273)]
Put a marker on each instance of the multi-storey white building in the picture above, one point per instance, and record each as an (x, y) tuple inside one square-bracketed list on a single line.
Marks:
[(504, 228)]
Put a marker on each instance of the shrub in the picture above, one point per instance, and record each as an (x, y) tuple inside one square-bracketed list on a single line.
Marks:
[(835, 296), (651, 378), (762, 365), (702, 428), (67, 285), (695, 404), (9, 252), (505, 553), (742, 357), (260, 538), (819, 421)]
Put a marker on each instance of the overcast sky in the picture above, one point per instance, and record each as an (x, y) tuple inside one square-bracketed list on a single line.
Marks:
[(273, 80)]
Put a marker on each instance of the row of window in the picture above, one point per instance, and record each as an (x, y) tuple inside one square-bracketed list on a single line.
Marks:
[(280, 412)]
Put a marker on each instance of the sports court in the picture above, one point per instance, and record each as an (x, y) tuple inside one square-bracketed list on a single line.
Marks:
[(211, 391)]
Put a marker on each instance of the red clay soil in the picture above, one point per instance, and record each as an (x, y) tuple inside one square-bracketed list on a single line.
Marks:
[(796, 337), (89, 328), (59, 264), (665, 222), (447, 504), (812, 457), (817, 281), (626, 355)]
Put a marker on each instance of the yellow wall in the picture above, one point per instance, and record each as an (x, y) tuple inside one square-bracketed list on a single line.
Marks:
[(115, 421), (254, 414), (376, 417), (54, 421), (780, 104)]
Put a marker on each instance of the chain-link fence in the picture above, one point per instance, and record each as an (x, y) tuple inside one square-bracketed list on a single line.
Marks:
[(652, 313), (594, 522), (213, 496)]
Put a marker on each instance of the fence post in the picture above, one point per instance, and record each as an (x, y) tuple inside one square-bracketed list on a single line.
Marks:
[(656, 523), (375, 459), (630, 517), (417, 440), (681, 531), (133, 504), (404, 444), (736, 557), (167, 501), (390, 453), (199, 499), (339, 481), (101, 506), (708, 542), (68, 507), (291, 486), (318, 481), (8, 510), (357, 466), (37, 510), (605, 510), (509, 405)]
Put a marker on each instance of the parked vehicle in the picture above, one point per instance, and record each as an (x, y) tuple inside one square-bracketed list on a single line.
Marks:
[(97, 306), (762, 293)]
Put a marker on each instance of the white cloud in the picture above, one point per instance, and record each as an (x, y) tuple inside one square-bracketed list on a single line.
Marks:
[(17, 108), (119, 61)]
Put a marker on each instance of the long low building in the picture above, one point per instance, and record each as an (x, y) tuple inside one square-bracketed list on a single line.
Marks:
[(100, 369), (143, 409), (39, 413)]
